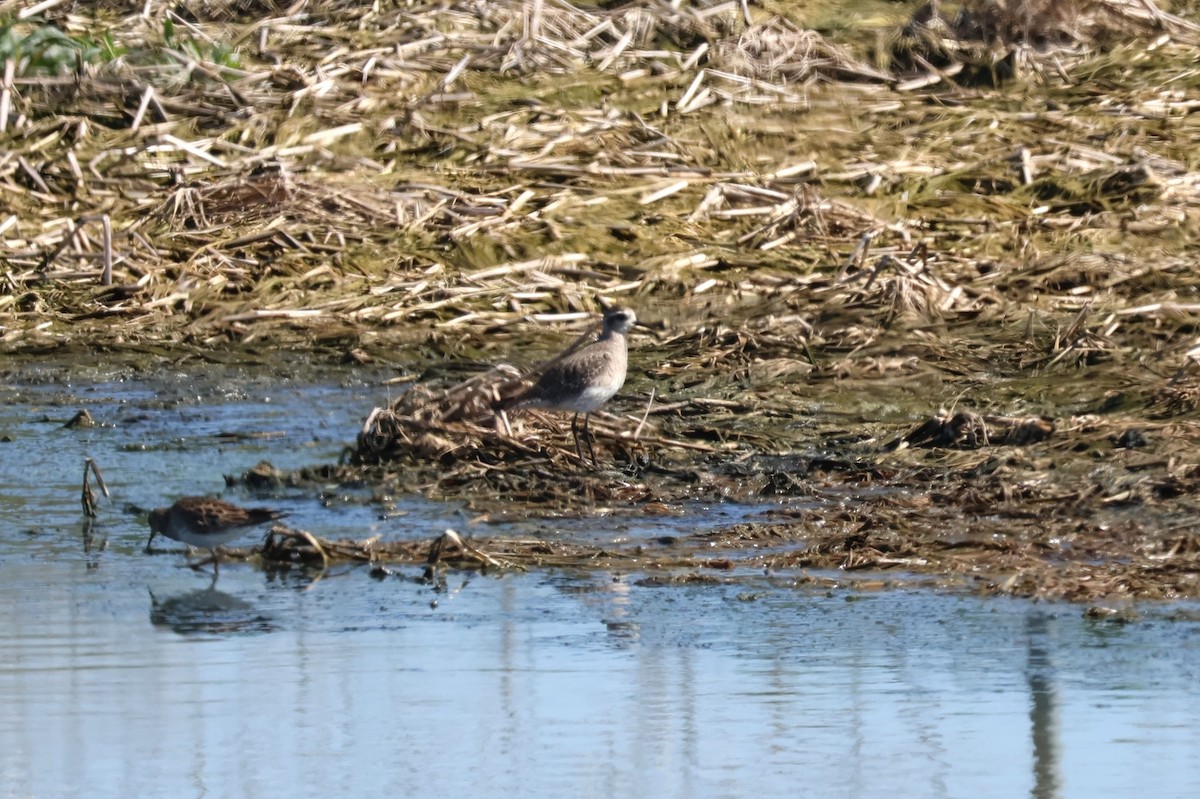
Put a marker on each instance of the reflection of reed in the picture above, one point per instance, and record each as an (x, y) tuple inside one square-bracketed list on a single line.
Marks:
[(618, 620), (208, 612), (1043, 712), (92, 544)]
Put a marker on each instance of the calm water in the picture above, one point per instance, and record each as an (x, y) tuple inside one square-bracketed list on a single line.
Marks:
[(124, 674)]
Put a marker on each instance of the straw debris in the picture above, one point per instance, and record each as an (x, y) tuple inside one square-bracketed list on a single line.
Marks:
[(832, 231)]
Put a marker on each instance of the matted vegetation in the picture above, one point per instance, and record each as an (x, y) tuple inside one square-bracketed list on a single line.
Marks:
[(945, 251)]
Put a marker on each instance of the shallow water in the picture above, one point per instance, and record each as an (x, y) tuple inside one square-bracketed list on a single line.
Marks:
[(123, 673)]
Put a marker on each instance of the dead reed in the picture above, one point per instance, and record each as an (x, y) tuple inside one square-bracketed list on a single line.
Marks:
[(979, 214)]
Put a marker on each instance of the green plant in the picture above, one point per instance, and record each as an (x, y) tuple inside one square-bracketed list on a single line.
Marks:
[(213, 52), (46, 50)]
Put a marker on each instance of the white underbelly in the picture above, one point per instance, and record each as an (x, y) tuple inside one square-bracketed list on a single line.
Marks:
[(589, 400)]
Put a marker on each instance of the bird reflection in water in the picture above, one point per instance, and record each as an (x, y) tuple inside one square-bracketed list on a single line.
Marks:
[(208, 612)]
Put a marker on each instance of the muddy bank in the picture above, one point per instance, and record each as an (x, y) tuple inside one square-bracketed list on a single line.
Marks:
[(866, 546), (1091, 509)]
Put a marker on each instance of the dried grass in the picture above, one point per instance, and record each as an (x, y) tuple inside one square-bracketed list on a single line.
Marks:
[(989, 207)]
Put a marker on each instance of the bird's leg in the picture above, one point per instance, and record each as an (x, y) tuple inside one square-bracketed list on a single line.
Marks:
[(587, 436), (575, 435), (148, 542), (213, 560)]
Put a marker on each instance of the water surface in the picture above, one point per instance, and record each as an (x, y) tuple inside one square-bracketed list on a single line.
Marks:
[(126, 674)]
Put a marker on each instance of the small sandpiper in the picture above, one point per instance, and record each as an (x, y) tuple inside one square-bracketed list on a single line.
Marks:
[(206, 522), (581, 380)]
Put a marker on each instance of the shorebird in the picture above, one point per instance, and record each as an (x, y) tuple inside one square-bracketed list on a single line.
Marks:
[(206, 522), (580, 380)]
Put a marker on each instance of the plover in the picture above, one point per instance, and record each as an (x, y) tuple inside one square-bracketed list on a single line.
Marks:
[(581, 380), (206, 522)]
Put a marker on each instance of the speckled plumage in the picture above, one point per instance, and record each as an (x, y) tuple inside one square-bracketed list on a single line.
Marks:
[(582, 381), (206, 522)]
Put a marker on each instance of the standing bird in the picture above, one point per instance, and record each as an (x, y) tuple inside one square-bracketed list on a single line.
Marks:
[(581, 380), (206, 522)]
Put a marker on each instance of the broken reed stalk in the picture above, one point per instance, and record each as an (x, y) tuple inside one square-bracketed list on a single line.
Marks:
[(106, 272), (6, 92), (441, 546), (275, 547), (645, 415), (87, 497)]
